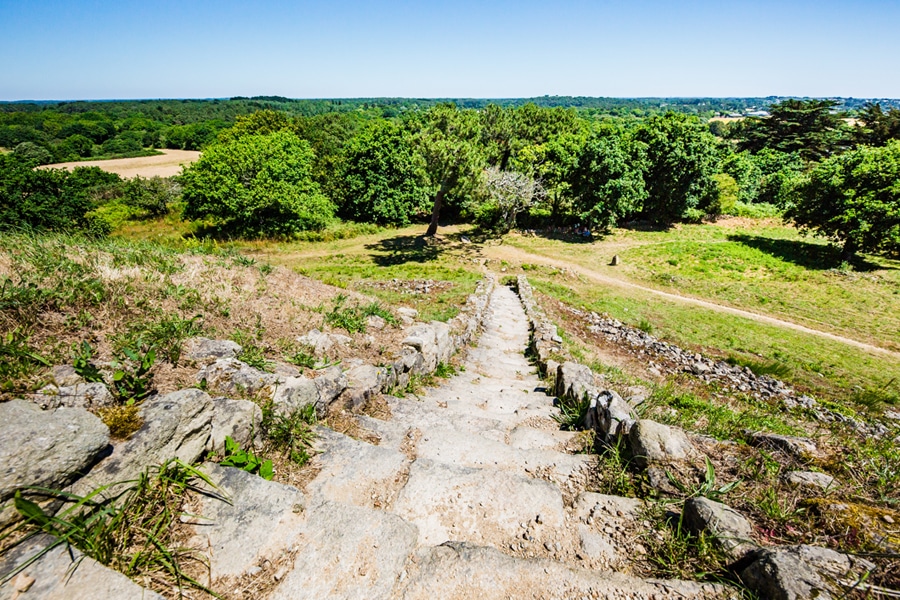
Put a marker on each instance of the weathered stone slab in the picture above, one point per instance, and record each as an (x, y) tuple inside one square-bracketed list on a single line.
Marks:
[(573, 381), (65, 574), (231, 377), (363, 382), (528, 438), (616, 416), (810, 479), (348, 553), (294, 393), (354, 472), (65, 375), (80, 395), (459, 571), (801, 572), (263, 519), (732, 531), (798, 447), (238, 419), (46, 448), (321, 343), (176, 425), (202, 349), (653, 442), (483, 506)]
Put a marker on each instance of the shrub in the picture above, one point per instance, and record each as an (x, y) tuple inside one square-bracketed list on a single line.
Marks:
[(152, 196), (727, 197), (47, 199), (257, 186)]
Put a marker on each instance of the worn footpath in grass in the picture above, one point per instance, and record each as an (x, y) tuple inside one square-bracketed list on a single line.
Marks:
[(851, 377), (756, 265)]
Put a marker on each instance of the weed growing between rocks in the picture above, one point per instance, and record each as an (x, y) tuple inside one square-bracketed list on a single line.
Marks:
[(290, 434), (166, 335), (301, 357), (444, 370), (352, 319), (571, 414), (615, 476), (18, 359), (252, 352), (128, 526), (674, 552), (246, 460)]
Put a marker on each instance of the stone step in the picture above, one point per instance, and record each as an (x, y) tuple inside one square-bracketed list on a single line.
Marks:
[(483, 506), (246, 521), (64, 573), (463, 571), (355, 472), (348, 553), (449, 445)]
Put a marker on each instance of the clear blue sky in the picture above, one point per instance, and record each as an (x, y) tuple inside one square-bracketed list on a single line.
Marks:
[(65, 49)]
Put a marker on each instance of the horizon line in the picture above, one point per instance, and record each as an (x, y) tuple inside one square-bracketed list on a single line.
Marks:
[(434, 98)]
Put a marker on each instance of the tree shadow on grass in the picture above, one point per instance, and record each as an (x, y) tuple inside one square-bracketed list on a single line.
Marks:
[(804, 254), (405, 249)]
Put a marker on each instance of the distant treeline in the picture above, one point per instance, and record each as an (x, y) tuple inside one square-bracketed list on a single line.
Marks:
[(66, 131), (274, 166)]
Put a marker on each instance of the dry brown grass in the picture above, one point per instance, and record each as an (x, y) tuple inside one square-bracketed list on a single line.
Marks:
[(262, 305)]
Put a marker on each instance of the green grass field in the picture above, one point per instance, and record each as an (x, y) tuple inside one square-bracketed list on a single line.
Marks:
[(759, 266)]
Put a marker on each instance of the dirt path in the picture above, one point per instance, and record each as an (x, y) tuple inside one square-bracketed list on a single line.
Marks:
[(167, 164), (516, 254)]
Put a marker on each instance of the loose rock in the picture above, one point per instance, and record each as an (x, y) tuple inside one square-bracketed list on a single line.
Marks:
[(801, 572), (46, 448), (810, 479), (731, 529)]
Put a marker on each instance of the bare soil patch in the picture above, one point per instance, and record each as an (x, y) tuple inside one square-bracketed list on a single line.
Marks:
[(167, 164)]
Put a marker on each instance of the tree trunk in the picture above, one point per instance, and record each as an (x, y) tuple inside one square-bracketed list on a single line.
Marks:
[(436, 212), (504, 160), (849, 251)]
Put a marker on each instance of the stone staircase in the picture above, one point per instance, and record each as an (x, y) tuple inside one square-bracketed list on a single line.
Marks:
[(469, 494), (472, 491)]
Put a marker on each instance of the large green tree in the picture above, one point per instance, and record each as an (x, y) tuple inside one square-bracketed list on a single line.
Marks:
[(808, 127), (854, 199), (382, 179), (552, 163), (454, 161), (607, 181), (329, 134), (257, 185), (680, 161), (876, 126)]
